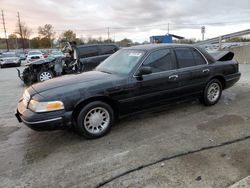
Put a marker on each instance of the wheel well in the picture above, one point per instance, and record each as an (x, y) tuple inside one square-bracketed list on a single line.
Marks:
[(221, 79), (104, 99)]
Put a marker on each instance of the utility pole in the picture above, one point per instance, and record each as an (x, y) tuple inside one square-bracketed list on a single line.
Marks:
[(6, 39), (203, 32), (108, 33), (20, 29), (168, 28)]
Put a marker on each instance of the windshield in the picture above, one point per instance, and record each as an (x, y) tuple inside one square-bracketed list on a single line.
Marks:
[(35, 53), (121, 62), (8, 55)]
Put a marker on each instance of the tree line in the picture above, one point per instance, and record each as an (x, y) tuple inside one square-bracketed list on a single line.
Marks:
[(46, 38)]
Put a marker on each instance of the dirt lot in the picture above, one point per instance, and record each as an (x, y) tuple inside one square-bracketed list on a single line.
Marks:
[(187, 145)]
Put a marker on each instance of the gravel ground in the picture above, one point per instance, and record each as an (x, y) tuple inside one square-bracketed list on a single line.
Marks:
[(187, 145)]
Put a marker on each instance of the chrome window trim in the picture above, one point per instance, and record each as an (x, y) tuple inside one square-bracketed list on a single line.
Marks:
[(176, 61)]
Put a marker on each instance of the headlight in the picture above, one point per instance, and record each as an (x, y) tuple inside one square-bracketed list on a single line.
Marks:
[(26, 97), (45, 106)]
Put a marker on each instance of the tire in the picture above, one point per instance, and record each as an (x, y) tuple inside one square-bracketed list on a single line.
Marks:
[(44, 75), (95, 120), (212, 93)]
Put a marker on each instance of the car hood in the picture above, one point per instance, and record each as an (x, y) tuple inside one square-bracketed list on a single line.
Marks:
[(69, 80)]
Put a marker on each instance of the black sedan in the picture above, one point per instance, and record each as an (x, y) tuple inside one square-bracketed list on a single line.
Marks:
[(131, 80), (9, 59)]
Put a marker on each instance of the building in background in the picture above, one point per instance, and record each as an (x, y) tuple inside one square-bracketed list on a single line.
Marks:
[(168, 38)]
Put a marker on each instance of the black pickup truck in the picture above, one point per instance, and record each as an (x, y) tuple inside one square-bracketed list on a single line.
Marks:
[(131, 80), (88, 57)]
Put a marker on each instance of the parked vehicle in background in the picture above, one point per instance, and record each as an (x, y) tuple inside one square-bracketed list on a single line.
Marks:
[(45, 54), (9, 59), (34, 55), (131, 80), (56, 54), (21, 55), (89, 56)]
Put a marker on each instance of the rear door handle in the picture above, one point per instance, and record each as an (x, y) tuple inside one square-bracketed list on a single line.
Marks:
[(205, 70), (173, 77)]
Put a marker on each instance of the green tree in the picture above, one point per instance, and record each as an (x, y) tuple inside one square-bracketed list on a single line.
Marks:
[(13, 41), (35, 42), (47, 31), (68, 36), (44, 42), (125, 42)]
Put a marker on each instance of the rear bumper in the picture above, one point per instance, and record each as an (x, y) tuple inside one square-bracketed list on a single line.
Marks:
[(232, 79), (43, 121)]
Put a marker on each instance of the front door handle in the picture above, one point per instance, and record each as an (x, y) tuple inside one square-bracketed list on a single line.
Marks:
[(173, 77), (205, 70)]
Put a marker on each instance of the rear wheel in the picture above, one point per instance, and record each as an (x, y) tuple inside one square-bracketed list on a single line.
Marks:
[(44, 75), (212, 93), (95, 119)]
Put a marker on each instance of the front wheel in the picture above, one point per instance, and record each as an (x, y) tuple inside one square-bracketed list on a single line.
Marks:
[(44, 75), (95, 119), (212, 93)]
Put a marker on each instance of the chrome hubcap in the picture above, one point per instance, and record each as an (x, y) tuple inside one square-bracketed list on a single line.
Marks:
[(213, 92), (45, 76), (96, 120)]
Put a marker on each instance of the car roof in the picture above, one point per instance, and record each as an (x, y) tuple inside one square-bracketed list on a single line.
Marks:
[(149, 47), (89, 45), (35, 51)]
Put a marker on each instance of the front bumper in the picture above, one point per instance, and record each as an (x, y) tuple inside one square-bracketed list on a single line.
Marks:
[(42, 121), (10, 64)]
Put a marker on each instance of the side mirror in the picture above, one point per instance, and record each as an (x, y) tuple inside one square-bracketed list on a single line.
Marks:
[(144, 70)]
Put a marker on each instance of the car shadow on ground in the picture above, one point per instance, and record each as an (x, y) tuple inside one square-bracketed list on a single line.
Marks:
[(39, 145)]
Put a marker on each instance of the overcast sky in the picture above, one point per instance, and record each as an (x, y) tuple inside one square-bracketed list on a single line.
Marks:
[(134, 19)]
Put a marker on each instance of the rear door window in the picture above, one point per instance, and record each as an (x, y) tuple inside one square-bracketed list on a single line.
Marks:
[(185, 57)]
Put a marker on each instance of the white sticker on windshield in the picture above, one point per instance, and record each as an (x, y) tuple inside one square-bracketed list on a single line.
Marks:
[(135, 54)]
